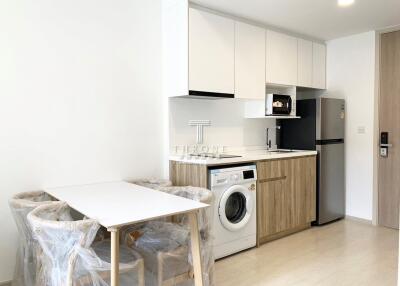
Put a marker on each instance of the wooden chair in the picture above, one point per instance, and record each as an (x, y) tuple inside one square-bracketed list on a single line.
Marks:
[(164, 244), (69, 256), (26, 264)]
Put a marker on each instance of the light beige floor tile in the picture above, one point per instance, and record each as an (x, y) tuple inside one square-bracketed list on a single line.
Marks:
[(345, 253)]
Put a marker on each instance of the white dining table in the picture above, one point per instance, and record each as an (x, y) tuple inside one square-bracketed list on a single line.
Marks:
[(117, 204)]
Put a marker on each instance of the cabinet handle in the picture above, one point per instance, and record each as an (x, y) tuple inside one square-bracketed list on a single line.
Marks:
[(272, 179)]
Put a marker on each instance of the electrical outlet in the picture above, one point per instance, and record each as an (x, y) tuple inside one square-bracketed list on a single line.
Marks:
[(361, 129)]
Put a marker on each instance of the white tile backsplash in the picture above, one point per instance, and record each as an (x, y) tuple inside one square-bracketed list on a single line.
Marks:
[(228, 128)]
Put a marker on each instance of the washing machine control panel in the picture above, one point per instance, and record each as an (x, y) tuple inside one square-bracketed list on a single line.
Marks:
[(249, 174), (233, 175)]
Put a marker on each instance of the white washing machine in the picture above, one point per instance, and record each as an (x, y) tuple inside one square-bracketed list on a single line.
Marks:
[(235, 218)]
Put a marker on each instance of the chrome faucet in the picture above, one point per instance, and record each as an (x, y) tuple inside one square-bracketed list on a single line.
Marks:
[(268, 140)]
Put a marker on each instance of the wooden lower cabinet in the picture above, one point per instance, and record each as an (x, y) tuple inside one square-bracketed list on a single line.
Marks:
[(286, 196), (186, 174), (286, 193)]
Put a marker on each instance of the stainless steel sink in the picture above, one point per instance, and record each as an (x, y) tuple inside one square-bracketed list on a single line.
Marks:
[(281, 151), (215, 156)]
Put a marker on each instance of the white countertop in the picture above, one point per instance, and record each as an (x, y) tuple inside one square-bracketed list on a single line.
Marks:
[(247, 156), (116, 204)]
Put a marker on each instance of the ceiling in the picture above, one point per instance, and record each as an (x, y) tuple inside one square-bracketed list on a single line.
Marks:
[(321, 19)]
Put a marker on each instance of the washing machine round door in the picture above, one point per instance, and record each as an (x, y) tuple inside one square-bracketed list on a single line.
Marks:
[(235, 207)]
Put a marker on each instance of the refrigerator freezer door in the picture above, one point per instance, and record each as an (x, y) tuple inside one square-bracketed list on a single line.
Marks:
[(331, 193), (330, 118)]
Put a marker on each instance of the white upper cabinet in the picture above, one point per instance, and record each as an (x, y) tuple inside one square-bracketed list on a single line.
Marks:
[(211, 53), (175, 52), (249, 61), (281, 59), (319, 66), (311, 64), (305, 63), (206, 53)]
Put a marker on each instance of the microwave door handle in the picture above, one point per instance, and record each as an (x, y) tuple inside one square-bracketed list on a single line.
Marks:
[(290, 104)]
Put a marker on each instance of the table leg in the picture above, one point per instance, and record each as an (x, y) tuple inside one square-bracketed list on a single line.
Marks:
[(114, 257), (195, 243)]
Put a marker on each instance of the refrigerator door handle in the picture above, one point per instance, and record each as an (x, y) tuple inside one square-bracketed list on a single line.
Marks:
[(329, 141)]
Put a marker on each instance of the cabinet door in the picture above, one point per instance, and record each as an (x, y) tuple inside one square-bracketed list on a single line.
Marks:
[(311, 187), (286, 195), (275, 199), (272, 208), (281, 60), (249, 61), (319, 66), (303, 181), (270, 170), (305, 63), (211, 52)]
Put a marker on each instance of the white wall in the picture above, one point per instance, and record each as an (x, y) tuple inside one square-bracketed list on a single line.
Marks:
[(80, 97), (351, 75), (229, 127)]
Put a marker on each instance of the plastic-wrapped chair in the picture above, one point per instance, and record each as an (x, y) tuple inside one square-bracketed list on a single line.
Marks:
[(26, 264), (205, 219), (205, 216), (70, 259), (165, 245), (155, 184)]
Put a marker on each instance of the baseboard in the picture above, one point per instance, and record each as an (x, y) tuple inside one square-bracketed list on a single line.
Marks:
[(362, 220), (5, 283), (262, 240)]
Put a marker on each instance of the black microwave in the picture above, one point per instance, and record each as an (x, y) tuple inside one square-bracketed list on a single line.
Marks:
[(278, 104)]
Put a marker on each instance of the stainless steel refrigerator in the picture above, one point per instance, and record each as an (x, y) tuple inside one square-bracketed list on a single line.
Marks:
[(321, 128)]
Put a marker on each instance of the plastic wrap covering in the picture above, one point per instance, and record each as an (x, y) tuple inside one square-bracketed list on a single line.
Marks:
[(26, 264), (197, 194), (155, 239), (152, 183), (70, 259), (165, 246)]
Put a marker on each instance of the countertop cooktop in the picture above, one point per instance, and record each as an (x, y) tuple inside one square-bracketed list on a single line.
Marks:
[(242, 157)]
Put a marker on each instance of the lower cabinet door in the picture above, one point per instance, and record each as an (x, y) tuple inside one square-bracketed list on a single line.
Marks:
[(310, 185), (274, 207), (286, 201), (301, 190)]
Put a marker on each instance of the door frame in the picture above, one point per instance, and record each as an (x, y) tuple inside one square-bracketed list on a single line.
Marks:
[(376, 135)]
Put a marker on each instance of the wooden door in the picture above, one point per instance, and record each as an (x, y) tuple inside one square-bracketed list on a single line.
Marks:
[(272, 196), (271, 207), (291, 194), (300, 186), (389, 121), (307, 193), (286, 196)]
